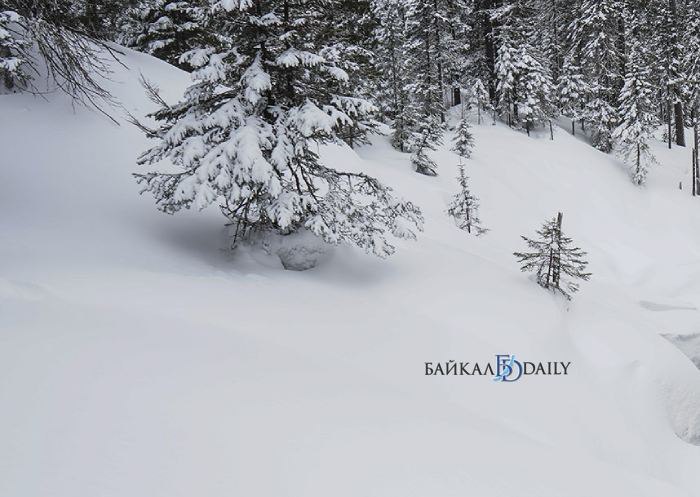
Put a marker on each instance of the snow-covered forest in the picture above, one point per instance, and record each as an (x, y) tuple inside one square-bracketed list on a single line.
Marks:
[(531, 167), (271, 80)]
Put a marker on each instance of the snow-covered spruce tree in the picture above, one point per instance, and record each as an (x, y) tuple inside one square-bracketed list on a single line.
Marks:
[(479, 44), (12, 45), (425, 110), (691, 67), (427, 62), (464, 208), (463, 142), (478, 98), (349, 45), (554, 261), (551, 21), (665, 40), (167, 29), (246, 132), (637, 120), (524, 83), (392, 95), (103, 19), (571, 92), (426, 137), (596, 37)]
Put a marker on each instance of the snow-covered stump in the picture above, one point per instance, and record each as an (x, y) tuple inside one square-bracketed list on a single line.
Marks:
[(298, 251)]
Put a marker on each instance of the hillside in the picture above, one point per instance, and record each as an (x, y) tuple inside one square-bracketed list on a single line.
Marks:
[(140, 357)]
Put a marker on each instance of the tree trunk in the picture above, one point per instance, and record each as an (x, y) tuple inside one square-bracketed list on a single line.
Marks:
[(490, 48), (680, 128), (677, 106), (696, 142), (668, 119), (557, 259)]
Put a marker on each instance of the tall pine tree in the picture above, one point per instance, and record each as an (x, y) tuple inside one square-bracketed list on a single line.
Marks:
[(524, 82), (636, 110), (595, 40)]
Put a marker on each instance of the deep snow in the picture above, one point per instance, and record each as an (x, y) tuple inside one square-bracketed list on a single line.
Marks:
[(139, 357)]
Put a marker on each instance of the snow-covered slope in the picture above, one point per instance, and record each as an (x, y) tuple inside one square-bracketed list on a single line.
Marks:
[(138, 357)]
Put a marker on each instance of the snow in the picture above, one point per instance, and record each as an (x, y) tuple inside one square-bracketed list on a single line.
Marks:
[(139, 357)]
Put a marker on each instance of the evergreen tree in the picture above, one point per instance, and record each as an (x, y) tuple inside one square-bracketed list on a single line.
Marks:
[(167, 29), (479, 43), (463, 142), (552, 20), (595, 38), (425, 138), (478, 98), (690, 58), (430, 58), (571, 92), (636, 111), (424, 113), (425, 57), (391, 60), (691, 67), (50, 38), (348, 44), (246, 131), (464, 208), (12, 45), (104, 19), (524, 83), (665, 41), (554, 261)]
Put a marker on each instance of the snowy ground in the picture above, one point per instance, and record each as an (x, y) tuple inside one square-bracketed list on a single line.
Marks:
[(140, 358)]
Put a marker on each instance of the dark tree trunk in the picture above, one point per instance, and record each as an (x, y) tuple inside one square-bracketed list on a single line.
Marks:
[(696, 142), (680, 128), (490, 47), (669, 129), (438, 49), (677, 106)]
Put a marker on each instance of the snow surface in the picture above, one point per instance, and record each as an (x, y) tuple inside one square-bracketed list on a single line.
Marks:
[(138, 357)]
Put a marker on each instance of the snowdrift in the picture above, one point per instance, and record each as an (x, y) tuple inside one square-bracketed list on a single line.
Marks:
[(140, 357)]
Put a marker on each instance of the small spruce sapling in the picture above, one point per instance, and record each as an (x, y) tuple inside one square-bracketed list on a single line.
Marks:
[(426, 138), (464, 207), (478, 98), (463, 142), (556, 263)]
